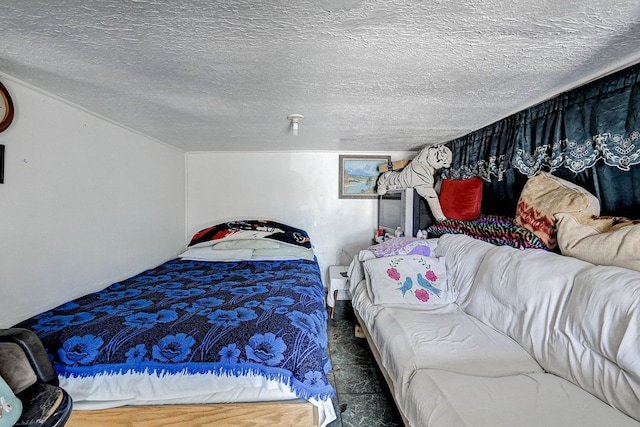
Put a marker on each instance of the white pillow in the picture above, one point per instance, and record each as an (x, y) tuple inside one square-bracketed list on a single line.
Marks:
[(247, 244), (237, 243), (409, 279), (209, 254), (285, 252)]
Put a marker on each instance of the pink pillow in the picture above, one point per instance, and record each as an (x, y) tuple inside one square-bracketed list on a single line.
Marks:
[(461, 199)]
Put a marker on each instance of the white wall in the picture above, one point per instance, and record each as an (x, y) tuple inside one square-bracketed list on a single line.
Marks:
[(297, 188), (85, 203)]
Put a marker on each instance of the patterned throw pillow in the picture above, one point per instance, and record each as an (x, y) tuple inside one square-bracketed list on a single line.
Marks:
[(545, 195), (600, 240), (497, 230), (412, 279)]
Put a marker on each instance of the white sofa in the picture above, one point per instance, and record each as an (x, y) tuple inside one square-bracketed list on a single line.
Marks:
[(533, 338)]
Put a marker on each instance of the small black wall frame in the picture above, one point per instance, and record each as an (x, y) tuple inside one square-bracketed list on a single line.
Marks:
[(1, 164)]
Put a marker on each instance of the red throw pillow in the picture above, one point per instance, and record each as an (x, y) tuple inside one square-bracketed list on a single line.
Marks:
[(461, 198)]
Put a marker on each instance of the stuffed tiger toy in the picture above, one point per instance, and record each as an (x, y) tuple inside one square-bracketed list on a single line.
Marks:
[(419, 174)]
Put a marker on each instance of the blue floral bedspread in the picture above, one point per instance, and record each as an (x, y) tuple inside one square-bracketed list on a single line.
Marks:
[(234, 318)]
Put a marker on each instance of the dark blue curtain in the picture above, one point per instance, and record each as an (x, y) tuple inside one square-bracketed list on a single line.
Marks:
[(590, 136)]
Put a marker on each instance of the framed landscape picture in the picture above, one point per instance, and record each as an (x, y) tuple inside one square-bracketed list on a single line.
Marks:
[(358, 176)]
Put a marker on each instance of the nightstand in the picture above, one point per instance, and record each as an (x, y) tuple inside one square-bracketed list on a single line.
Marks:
[(338, 286)]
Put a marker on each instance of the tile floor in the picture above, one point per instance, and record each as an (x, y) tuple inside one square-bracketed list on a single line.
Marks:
[(362, 396)]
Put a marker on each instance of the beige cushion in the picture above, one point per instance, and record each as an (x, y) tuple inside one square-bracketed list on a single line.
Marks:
[(600, 240), (545, 195)]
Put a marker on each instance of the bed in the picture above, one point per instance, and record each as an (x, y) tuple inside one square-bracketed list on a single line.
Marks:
[(232, 332)]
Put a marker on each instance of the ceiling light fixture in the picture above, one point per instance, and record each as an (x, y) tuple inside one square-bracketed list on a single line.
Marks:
[(295, 119)]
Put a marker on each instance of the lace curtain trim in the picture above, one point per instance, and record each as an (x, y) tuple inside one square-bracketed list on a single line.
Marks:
[(485, 169), (615, 150)]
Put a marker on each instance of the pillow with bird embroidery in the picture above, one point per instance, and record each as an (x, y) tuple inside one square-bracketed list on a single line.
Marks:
[(409, 279)]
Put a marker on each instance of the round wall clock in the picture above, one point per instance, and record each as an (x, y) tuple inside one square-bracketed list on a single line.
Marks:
[(6, 108)]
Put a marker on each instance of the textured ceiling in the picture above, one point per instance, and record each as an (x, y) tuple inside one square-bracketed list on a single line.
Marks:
[(368, 75)]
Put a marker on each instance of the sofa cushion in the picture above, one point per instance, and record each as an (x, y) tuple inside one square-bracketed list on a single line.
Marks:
[(449, 399), (600, 240), (409, 279), (462, 255), (445, 338), (598, 347), (545, 195), (461, 198), (362, 303), (521, 293)]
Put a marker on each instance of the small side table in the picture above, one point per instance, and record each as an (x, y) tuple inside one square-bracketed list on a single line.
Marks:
[(338, 285)]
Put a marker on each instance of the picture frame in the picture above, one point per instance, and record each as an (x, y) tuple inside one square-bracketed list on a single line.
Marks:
[(358, 175)]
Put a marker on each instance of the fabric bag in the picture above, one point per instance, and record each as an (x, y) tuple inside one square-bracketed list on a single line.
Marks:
[(10, 405)]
